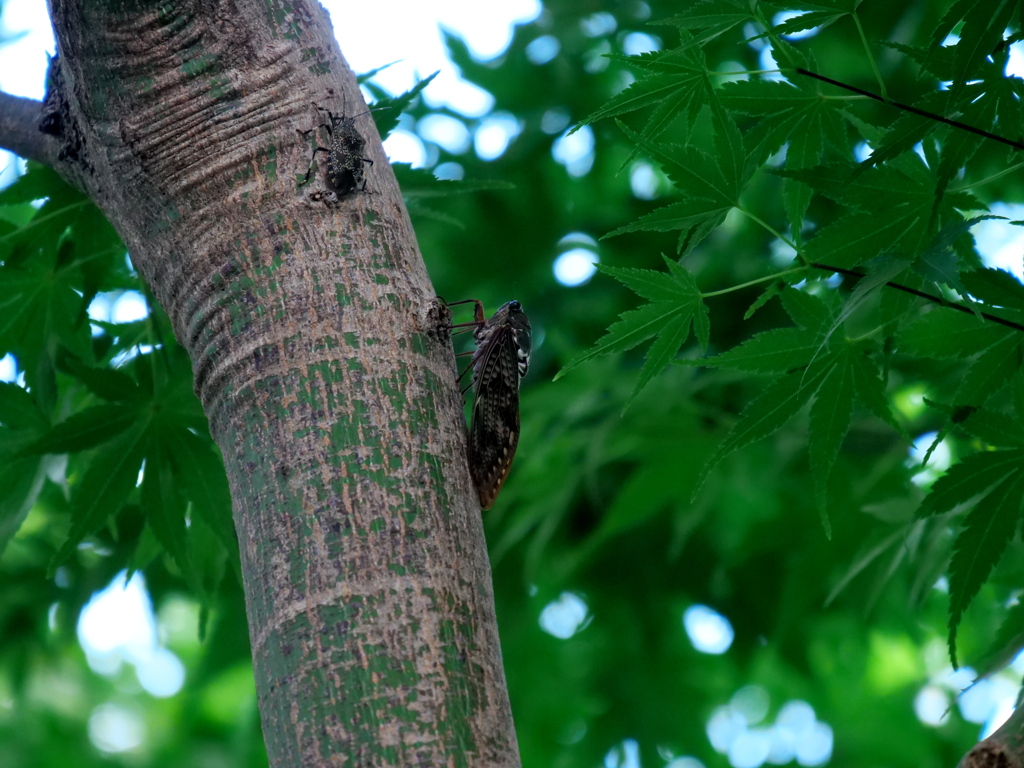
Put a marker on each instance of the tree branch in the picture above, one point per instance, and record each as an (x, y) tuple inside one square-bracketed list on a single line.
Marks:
[(1003, 748), (19, 130)]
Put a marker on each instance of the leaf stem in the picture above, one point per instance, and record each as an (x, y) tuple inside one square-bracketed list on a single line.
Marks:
[(747, 72), (44, 218), (867, 51), (773, 231), (868, 335), (753, 282)]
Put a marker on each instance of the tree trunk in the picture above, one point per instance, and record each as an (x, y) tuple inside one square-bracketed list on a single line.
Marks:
[(1003, 749), (332, 397)]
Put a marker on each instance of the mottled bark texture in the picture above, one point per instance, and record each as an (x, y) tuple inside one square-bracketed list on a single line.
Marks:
[(1003, 749), (366, 578)]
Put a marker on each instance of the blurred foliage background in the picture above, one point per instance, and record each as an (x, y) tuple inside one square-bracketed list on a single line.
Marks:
[(639, 626)]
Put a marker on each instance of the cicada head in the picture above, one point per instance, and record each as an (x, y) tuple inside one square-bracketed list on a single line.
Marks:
[(510, 316)]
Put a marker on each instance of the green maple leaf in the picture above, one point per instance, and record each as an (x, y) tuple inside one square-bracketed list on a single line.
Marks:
[(199, 471), (891, 209), (780, 350), (831, 374), (767, 413), (675, 303), (1005, 646), (767, 295), (939, 263), (708, 19), (995, 427), (990, 102), (990, 485), (164, 507), (85, 429), (989, 372), (969, 480), (993, 105), (829, 421), (793, 113), (784, 397), (879, 272), (909, 129), (21, 475), (709, 187), (982, 30), (987, 531), (104, 487), (943, 334), (181, 468), (851, 376), (995, 287), (678, 86), (936, 60), (40, 306), (816, 15), (387, 109)]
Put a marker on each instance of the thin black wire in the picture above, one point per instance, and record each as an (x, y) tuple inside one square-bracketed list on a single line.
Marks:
[(915, 110), (923, 295), (939, 118)]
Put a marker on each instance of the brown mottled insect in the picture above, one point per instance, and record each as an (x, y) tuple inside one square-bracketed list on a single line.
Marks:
[(501, 359), (345, 162)]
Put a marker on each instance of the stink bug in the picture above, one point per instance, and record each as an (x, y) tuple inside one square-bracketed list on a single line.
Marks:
[(500, 360), (345, 170)]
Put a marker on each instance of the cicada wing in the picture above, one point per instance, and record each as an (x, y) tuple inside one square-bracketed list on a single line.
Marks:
[(494, 425)]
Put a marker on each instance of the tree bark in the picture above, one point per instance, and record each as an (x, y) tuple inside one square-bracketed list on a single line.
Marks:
[(328, 390), (1003, 749)]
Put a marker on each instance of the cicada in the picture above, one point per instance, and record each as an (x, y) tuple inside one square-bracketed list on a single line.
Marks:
[(500, 360)]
